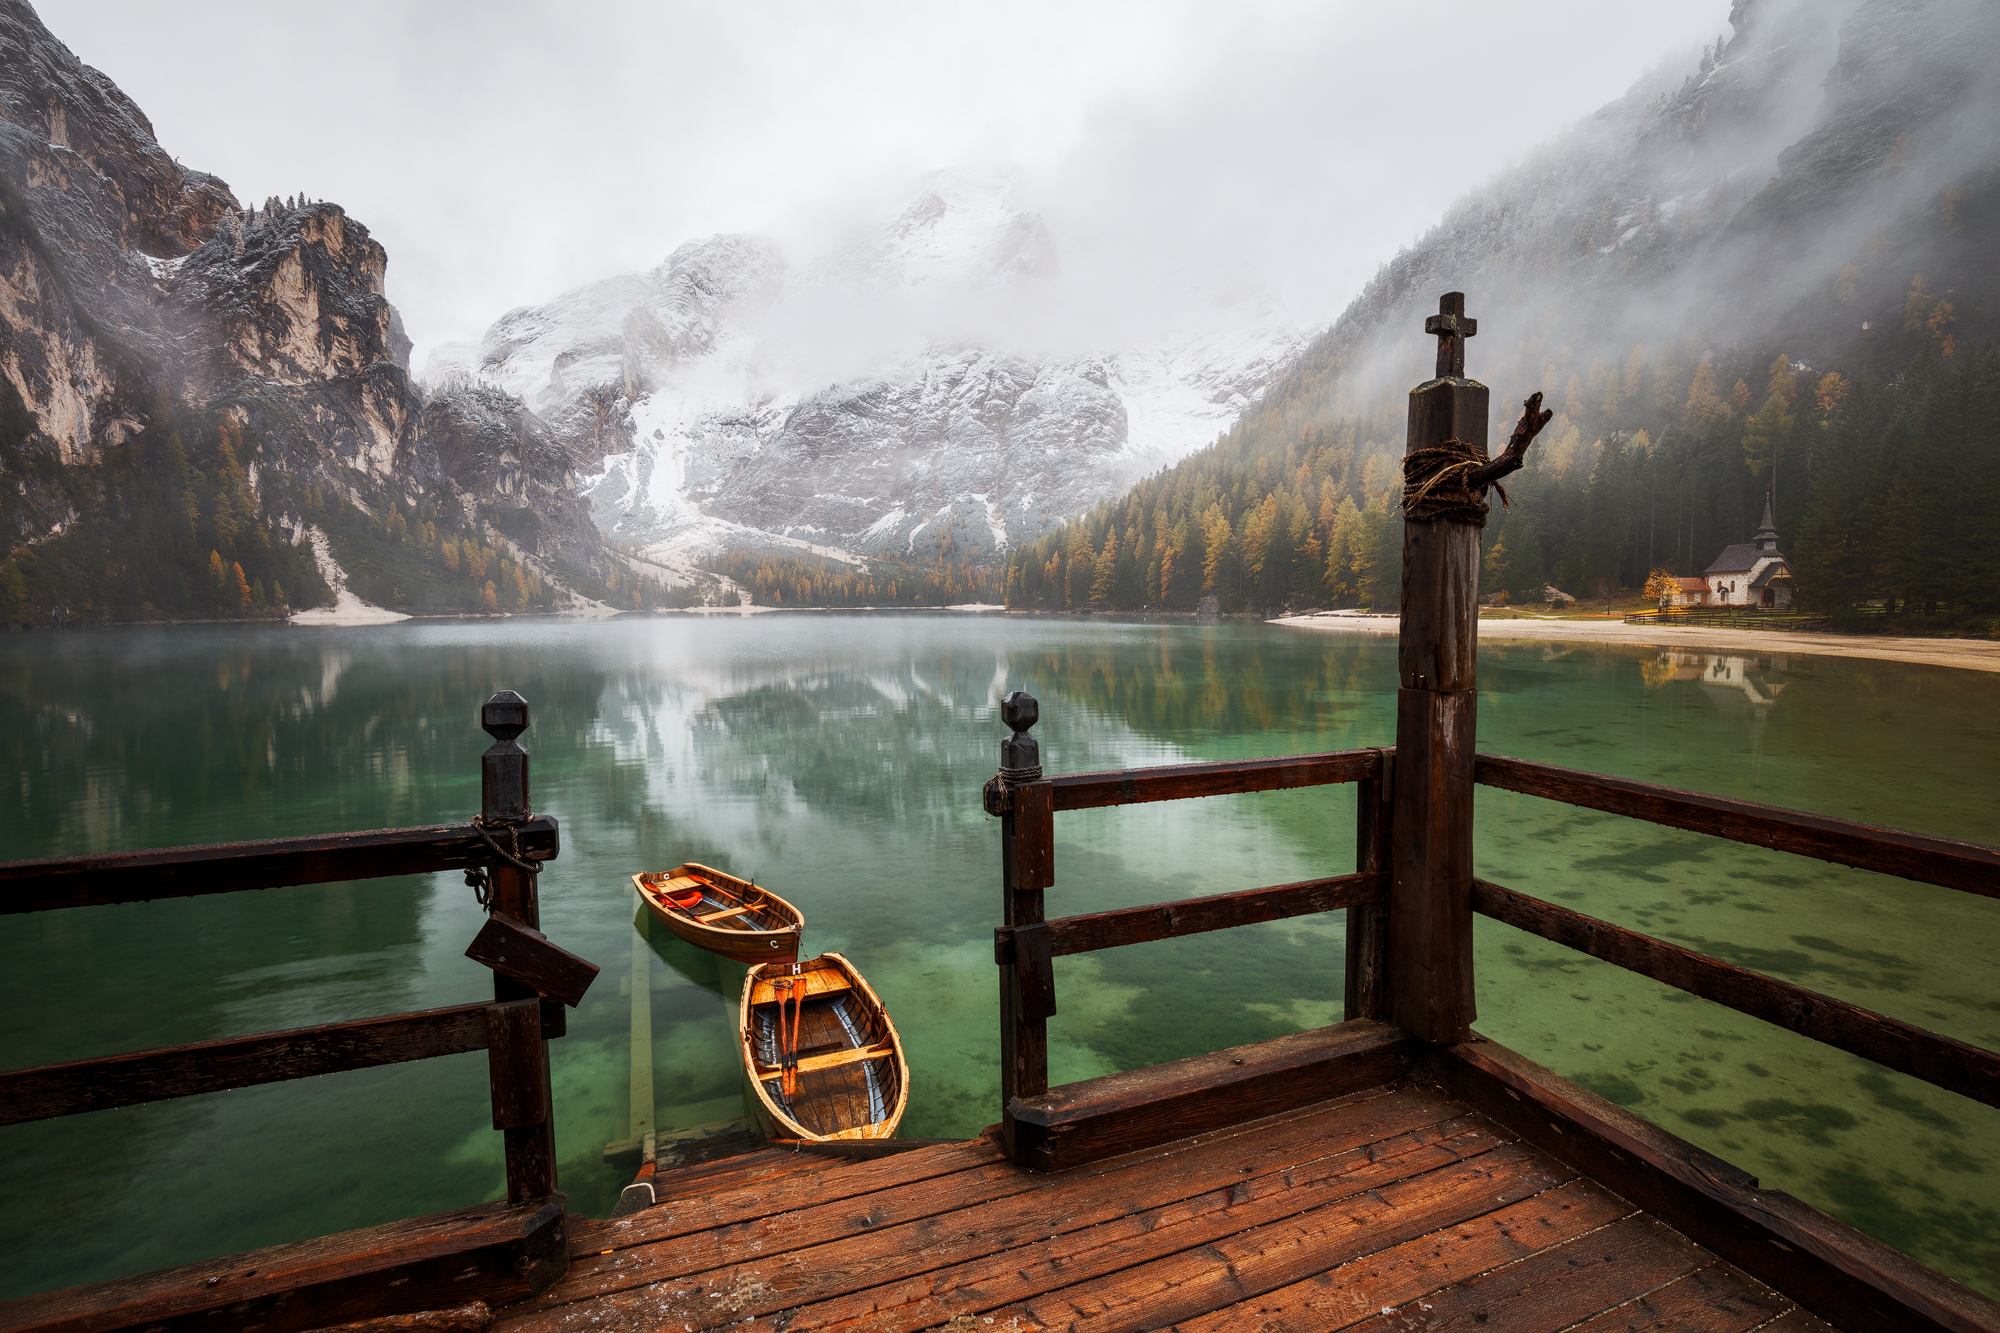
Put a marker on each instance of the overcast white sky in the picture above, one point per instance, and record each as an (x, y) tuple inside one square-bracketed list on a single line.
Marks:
[(505, 150)]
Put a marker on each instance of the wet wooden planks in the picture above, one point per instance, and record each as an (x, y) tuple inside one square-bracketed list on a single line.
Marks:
[(1392, 1208)]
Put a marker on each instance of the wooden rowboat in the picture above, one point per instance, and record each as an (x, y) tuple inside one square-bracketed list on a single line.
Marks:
[(722, 913), (830, 1065)]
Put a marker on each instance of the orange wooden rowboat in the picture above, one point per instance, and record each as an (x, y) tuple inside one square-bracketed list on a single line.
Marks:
[(830, 1066), (723, 914)]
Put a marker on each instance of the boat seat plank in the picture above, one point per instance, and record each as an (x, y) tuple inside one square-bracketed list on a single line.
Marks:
[(813, 1064), (1017, 1207), (710, 918), (817, 984)]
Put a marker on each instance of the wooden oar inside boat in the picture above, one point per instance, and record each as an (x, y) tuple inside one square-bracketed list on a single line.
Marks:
[(723, 914), (821, 1053)]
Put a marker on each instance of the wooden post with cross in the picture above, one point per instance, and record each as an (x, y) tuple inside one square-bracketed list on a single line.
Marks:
[(1446, 473)]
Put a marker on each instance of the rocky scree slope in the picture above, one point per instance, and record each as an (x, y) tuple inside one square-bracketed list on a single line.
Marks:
[(709, 429), (141, 306)]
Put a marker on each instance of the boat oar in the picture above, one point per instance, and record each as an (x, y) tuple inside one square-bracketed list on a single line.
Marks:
[(791, 1075), (784, 990)]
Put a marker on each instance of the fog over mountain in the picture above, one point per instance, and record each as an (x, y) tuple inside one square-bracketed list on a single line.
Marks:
[(1764, 275), (932, 375)]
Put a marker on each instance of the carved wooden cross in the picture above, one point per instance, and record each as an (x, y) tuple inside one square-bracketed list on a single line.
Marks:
[(1452, 329)]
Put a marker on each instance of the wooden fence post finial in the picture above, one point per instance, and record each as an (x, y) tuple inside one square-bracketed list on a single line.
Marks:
[(503, 769), (1020, 753)]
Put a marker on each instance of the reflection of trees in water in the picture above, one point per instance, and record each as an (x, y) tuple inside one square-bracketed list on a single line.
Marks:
[(1190, 687), (139, 739), (185, 735)]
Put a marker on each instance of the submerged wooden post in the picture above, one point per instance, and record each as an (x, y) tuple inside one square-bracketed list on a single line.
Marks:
[(1025, 801), (1446, 471), (518, 1057)]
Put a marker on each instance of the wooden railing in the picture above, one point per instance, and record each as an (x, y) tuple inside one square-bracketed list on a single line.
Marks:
[(1027, 943), (532, 978), (1968, 867)]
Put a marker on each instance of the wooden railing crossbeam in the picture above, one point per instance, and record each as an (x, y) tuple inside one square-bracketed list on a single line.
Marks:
[(1966, 866), (1194, 916), (268, 863), (1179, 782), (46, 1091), (1938, 1060)]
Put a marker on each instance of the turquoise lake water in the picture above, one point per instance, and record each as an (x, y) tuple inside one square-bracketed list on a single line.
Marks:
[(838, 759)]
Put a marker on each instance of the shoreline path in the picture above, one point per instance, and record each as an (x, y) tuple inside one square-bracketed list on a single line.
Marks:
[(1971, 654)]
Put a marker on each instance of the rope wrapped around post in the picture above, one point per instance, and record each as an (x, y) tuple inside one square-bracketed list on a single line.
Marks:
[(1449, 480)]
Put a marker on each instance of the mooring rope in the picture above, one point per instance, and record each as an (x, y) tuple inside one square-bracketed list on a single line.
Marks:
[(476, 877), (1436, 484)]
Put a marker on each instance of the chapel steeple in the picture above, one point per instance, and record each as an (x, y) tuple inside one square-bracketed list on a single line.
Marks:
[(1766, 535)]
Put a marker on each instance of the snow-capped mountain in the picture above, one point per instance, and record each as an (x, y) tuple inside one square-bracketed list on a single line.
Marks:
[(870, 398)]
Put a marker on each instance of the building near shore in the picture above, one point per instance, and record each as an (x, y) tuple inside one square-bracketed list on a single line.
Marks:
[(1748, 574)]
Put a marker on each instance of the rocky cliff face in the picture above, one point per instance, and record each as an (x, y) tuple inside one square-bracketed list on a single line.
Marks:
[(730, 397), (138, 296)]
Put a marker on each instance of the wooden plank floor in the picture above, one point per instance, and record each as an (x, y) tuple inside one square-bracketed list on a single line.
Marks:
[(1392, 1209)]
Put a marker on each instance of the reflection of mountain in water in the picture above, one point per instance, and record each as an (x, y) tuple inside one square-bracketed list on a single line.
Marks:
[(1734, 683)]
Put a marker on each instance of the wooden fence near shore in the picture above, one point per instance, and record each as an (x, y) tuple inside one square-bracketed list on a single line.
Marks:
[(1750, 618)]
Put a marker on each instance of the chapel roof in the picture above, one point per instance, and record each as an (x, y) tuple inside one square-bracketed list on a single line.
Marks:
[(1739, 559), (1772, 573)]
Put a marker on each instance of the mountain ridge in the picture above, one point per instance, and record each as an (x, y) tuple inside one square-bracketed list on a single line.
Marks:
[(863, 400), (169, 351)]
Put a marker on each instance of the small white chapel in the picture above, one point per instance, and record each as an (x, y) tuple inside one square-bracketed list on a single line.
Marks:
[(1748, 574)]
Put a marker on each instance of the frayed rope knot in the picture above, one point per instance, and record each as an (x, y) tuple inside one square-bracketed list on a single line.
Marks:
[(1437, 484)]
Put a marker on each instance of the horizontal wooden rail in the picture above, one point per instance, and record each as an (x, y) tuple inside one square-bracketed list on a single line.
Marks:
[(1942, 861), (1193, 916), (1970, 1071), (1179, 782), (269, 863), (47, 1091)]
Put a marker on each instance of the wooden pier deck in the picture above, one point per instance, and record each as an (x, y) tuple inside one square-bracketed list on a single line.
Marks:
[(1397, 1207)]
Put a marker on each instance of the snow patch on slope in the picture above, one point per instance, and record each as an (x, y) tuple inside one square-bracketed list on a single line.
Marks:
[(894, 396)]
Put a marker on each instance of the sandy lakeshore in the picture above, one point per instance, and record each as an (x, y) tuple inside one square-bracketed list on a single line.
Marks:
[(1972, 654)]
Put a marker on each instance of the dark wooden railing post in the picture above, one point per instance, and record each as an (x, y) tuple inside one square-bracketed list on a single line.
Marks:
[(1430, 899), (1027, 864), (1368, 926), (1446, 473), (518, 1057)]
